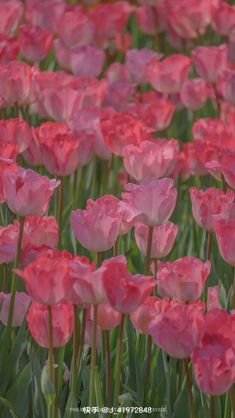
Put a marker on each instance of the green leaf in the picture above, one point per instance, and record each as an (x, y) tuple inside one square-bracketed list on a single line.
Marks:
[(9, 406), (18, 394), (47, 386)]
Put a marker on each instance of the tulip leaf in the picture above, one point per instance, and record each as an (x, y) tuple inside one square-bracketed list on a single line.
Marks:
[(18, 394)]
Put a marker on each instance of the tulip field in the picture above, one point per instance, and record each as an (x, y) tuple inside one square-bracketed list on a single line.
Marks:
[(117, 208)]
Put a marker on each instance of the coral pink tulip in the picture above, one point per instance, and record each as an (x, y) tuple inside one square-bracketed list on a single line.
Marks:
[(162, 242), (150, 159), (123, 129), (107, 317), (62, 323), (179, 328), (40, 230), (79, 267), (89, 286), (183, 279), (168, 75), (44, 277), (26, 192), (145, 313), (136, 64), (16, 131), (59, 104), (147, 20), (207, 203), (151, 202), (22, 302), (214, 359), (223, 19), (75, 28), (124, 291)]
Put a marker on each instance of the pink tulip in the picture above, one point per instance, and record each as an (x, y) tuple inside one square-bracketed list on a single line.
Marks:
[(62, 323), (151, 202), (75, 28), (224, 226), (213, 298), (26, 192), (207, 203), (107, 317), (16, 131), (214, 130), (223, 20), (226, 86), (178, 327), (168, 75), (214, 358), (35, 42), (162, 242), (8, 242), (150, 159), (97, 227), (40, 231), (120, 88), (15, 82), (10, 15), (194, 93), (183, 279), (223, 166), (147, 20), (44, 13), (22, 302), (9, 49), (210, 61), (60, 104), (136, 64), (189, 18), (124, 291), (87, 60), (44, 278), (145, 313)]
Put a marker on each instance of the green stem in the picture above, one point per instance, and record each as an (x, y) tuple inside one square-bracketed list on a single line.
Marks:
[(99, 259), (212, 407), (93, 359), (108, 369), (117, 371), (190, 393), (208, 257), (115, 248), (5, 277), (60, 192), (75, 350), (149, 247), (232, 400), (148, 367), (14, 278), (51, 355), (82, 336)]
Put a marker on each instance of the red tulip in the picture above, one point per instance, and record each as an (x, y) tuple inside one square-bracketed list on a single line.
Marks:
[(9, 49)]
